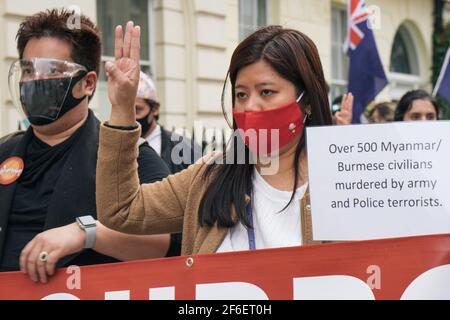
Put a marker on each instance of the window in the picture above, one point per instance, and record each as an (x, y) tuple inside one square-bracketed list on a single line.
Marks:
[(403, 56), (339, 73), (405, 65), (253, 14), (111, 13)]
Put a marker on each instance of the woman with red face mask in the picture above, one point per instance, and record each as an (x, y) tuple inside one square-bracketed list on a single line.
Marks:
[(255, 195)]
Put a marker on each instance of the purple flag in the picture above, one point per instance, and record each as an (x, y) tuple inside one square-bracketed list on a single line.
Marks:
[(442, 87), (366, 75)]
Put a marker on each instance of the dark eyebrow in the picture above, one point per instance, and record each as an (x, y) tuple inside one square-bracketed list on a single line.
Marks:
[(241, 86), (261, 84)]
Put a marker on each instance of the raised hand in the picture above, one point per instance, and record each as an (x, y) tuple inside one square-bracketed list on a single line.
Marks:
[(123, 75), (344, 117)]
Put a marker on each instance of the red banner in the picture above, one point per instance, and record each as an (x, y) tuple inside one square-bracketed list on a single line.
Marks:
[(404, 268)]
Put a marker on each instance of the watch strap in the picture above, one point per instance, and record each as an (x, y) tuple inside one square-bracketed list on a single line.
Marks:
[(91, 233), (88, 224)]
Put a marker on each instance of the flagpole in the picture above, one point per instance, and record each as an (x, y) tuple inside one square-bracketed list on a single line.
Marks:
[(441, 75)]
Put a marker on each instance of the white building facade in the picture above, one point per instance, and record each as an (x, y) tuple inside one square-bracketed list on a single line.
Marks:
[(187, 45)]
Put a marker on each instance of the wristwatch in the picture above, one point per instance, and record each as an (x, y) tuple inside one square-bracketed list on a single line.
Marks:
[(89, 225)]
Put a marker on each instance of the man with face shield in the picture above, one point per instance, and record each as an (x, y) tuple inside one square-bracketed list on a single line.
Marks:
[(47, 174), (44, 88), (177, 152)]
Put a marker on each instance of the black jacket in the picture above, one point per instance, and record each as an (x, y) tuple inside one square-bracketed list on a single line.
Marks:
[(74, 194), (167, 146)]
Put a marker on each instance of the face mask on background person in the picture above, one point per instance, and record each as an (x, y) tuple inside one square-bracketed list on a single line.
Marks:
[(147, 92), (45, 101), (146, 122), (42, 88)]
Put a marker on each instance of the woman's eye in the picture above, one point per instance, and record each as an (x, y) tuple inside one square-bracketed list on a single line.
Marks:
[(267, 92), (241, 95)]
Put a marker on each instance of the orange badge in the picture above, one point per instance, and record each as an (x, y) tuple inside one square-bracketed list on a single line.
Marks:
[(10, 170)]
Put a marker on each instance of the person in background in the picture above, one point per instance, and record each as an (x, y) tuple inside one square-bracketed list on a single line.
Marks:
[(47, 207), (417, 105), (381, 113), (177, 152)]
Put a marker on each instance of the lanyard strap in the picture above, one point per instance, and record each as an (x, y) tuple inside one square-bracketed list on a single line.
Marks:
[(250, 231)]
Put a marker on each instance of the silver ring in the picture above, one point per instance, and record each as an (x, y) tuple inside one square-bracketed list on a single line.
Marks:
[(43, 256)]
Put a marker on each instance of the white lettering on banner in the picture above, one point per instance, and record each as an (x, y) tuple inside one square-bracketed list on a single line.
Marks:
[(432, 284), (230, 291), (60, 296), (118, 295), (379, 181), (166, 293), (331, 288)]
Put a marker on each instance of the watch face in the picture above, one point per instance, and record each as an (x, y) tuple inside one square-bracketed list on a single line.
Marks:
[(87, 221)]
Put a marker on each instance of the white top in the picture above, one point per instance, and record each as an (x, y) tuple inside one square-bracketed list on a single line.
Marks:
[(272, 229), (154, 140)]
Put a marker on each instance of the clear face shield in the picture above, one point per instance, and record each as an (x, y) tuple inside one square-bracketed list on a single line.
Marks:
[(41, 89)]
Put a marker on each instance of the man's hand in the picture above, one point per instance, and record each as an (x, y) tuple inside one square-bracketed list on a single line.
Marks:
[(123, 75), (57, 243), (344, 117)]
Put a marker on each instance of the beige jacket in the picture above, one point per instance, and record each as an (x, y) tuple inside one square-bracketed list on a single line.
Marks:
[(168, 206)]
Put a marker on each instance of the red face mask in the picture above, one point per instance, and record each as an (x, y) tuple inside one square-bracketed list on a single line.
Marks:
[(266, 132)]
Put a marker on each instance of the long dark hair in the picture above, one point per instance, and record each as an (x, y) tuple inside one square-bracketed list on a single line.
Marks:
[(295, 57), (406, 102)]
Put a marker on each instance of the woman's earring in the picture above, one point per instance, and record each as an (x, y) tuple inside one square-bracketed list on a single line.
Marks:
[(309, 114)]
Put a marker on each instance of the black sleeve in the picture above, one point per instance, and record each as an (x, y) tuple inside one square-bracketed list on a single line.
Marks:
[(151, 167), (175, 245)]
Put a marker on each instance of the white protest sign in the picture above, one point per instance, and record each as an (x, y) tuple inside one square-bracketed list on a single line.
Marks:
[(379, 181)]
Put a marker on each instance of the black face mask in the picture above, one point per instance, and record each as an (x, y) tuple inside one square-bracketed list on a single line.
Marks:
[(145, 123), (45, 101)]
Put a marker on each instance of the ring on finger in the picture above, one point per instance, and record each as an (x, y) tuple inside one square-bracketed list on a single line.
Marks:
[(43, 256)]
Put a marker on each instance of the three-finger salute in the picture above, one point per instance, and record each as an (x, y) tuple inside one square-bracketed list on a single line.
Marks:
[(123, 75)]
